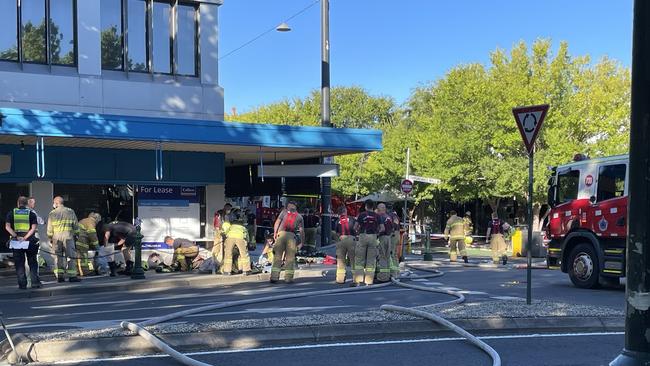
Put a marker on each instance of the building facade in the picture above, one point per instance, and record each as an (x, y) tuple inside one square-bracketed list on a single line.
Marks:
[(101, 100), (127, 57)]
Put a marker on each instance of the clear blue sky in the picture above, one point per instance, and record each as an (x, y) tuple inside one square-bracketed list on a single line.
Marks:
[(390, 47)]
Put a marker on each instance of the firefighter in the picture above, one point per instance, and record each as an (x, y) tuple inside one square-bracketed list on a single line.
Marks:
[(62, 228), (384, 236), (365, 256), (184, 252), (119, 235), (497, 242), (287, 230), (345, 227), (455, 233), (469, 226), (394, 242), (311, 228), (21, 224), (86, 241), (236, 236)]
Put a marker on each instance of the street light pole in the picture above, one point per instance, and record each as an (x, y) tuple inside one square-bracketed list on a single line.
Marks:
[(326, 183), (637, 290)]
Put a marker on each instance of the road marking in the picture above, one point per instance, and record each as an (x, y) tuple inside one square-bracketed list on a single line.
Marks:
[(175, 297), (507, 298), (420, 280), (472, 292), (351, 344), (450, 288)]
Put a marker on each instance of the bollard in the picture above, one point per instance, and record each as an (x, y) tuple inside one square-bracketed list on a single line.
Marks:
[(138, 272), (428, 257)]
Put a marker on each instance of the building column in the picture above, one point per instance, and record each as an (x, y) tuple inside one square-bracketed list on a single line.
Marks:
[(43, 192)]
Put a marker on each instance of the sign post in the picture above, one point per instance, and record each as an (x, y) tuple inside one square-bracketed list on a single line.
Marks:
[(529, 121)]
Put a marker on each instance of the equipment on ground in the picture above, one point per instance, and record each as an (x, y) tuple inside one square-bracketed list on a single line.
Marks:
[(587, 221)]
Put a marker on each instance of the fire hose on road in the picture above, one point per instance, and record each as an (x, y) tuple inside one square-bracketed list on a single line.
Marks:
[(162, 346)]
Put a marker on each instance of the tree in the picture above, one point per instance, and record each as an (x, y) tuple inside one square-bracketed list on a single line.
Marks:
[(467, 135)]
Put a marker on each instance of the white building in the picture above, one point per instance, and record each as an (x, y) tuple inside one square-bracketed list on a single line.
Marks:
[(125, 94)]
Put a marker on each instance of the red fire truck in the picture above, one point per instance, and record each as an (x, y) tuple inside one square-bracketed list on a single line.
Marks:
[(587, 224)]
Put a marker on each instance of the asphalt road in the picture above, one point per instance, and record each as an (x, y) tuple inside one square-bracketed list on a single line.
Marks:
[(532, 350), (108, 309)]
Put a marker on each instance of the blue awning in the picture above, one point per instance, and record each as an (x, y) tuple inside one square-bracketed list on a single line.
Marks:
[(105, 127)]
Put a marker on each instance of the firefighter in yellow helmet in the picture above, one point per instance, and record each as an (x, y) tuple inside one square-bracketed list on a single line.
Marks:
[(455, 233), (62, 227), (87, 240), (236, 236), (288, 231)]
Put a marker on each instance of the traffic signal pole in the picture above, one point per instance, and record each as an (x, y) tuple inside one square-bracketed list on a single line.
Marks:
[(637, 292)]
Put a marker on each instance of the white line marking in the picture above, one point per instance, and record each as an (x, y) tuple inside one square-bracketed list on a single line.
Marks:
[(175, 297), (507, 298), (472, 292), (419, 280), (350, 344)]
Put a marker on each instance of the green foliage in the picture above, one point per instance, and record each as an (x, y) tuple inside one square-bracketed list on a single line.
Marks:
[(468, 136), (461, 130)]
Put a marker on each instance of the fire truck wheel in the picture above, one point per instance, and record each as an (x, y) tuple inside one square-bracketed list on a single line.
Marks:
[(584, 267)]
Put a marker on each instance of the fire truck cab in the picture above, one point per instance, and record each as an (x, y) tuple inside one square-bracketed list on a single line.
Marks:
[(587, 223)]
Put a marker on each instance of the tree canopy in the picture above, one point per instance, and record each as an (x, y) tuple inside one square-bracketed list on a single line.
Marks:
[(461, 130)]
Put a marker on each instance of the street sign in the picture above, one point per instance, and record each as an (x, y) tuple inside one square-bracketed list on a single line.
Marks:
[(406, 186), (530, 120), (415, 178)]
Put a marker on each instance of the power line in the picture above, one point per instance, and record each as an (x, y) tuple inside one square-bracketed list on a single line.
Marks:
[(268, 30)]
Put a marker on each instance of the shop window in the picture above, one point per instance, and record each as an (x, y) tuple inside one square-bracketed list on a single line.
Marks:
[(186, 40), (26, 36), (33, 31), (112, 35), (137, 36), (155, 35), (9, 33), (61, 32), (162, 37)]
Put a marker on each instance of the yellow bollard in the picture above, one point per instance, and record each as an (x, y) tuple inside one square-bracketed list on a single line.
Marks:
[(517, 242)]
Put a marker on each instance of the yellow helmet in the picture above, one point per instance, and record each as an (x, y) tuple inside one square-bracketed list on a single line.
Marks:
[(469, 240)]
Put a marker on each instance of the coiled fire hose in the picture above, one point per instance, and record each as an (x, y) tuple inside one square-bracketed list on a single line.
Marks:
[(162, 346)]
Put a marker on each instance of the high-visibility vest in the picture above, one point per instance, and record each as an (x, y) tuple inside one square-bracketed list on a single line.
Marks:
[(21, 220)]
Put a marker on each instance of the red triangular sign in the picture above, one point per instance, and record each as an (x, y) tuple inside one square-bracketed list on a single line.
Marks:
[(530, 120)]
